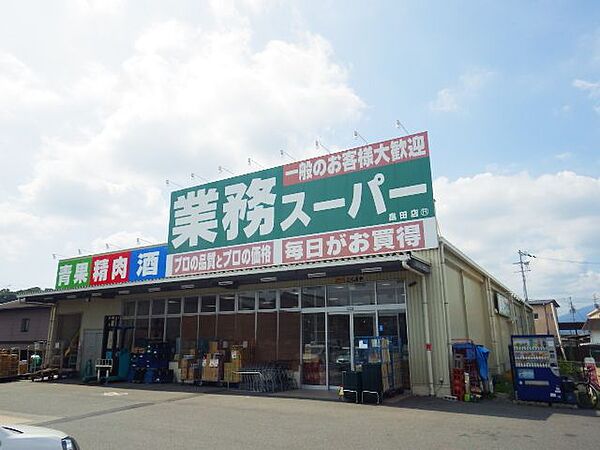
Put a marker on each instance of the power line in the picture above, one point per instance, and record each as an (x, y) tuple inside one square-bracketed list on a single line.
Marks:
[(566, 260)]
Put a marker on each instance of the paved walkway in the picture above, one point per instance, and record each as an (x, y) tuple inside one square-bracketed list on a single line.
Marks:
[(127, 417)]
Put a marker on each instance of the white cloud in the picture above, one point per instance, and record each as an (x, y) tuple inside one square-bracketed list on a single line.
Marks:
[(99, 7), (451, 99), (563, 156), (492, 216), (21, 91), (593, 90), (446, 101), (185, 100)]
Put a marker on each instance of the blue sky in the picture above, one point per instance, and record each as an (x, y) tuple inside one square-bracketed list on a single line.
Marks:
[(100, 101), (525, 113)]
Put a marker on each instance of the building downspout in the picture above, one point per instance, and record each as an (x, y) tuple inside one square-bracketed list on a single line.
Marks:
[(446, 305), (427, 331), (49, 341), (492, 318)]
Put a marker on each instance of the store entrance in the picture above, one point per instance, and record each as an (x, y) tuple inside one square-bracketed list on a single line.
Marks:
[(342, 331)]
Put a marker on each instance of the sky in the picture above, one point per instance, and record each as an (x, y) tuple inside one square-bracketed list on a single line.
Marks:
[(101, 101)]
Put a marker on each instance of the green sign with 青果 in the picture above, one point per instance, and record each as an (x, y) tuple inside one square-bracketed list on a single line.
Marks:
[(74, 273)]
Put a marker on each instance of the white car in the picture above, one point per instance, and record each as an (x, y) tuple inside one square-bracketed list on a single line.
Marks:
[(24, 437)]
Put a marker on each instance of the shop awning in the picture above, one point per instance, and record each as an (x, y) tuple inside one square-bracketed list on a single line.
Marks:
[(231, 280)]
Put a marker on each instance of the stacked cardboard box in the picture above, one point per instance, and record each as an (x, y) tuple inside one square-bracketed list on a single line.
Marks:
[(9, 364), (230, 374), (190, 369), (238, 355), (212, 367), (397, 371), (23, 367)]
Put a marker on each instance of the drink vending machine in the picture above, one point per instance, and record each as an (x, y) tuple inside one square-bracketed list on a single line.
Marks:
[(536, 375)]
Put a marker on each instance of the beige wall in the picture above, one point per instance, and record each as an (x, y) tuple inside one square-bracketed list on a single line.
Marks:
[(547, 321), (92, 314), (461, 306)]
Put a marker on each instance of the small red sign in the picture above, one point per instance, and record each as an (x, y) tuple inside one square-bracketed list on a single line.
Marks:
[(110, 268)]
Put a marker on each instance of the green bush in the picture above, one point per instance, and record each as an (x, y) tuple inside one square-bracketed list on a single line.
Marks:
[(569, 368)]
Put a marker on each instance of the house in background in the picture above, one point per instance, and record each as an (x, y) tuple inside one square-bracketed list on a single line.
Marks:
[(592, 324), (545, 318), (575, 337), (22, 325)]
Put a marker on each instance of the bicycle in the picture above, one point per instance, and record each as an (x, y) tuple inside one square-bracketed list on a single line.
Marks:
[(587, 392)]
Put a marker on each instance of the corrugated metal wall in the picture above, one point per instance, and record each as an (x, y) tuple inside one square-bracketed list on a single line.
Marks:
[(461, 306), (437, 325)]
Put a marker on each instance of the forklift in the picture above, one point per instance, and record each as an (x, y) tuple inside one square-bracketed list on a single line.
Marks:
[(113, 364)]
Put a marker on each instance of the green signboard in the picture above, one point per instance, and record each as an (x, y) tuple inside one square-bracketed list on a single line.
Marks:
[(359, 189), (74, 273)]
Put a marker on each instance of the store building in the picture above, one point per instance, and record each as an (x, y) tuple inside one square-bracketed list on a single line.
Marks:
[(310, 315), (300, 284)]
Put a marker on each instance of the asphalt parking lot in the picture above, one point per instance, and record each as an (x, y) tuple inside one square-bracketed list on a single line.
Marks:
[(138, 417)]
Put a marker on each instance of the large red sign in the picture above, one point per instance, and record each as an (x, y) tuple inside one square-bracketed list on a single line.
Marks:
[(356, 159)]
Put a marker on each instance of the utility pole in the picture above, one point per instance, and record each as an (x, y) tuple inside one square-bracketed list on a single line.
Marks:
[(572, 309), (524, 267)]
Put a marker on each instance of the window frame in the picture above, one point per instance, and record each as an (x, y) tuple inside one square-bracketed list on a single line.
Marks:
[(25, 322)]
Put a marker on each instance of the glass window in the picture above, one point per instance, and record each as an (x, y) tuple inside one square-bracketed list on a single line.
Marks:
[(226, 327), (266, 336), (362, 294), (173, 334), (289, 338), (206, 326), (189, 331), (158, 307), (129, 309), (226, 302), (401, 288), (313, 297), (388, 325), (390, 292), (128, 337), (267, 299), (313, 349), (244, 328), (174, 306), (190, 305), (157, 328), (208, 303), (143, 308), (289, 298), (141, 332), (246, 301), (338, 295)]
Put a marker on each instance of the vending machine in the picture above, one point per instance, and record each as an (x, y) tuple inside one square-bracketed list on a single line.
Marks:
[(535, 368)]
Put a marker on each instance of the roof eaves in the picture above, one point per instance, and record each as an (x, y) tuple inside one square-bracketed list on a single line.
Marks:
[(226, 274)]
